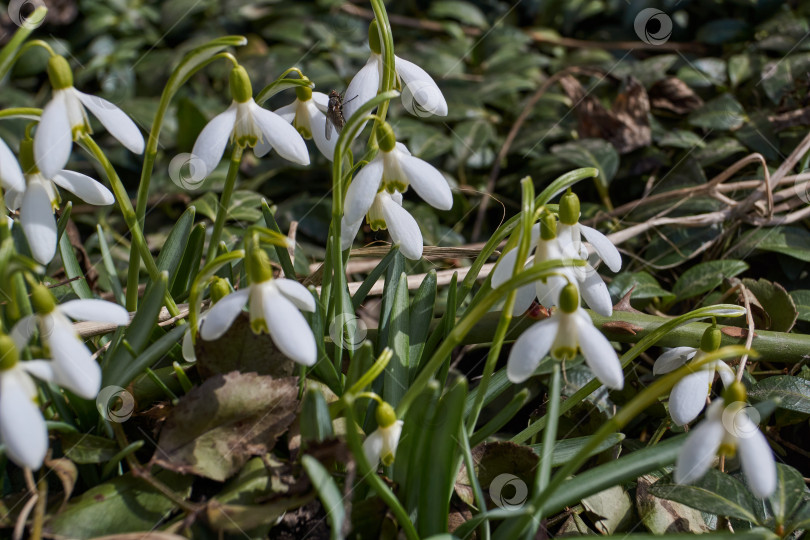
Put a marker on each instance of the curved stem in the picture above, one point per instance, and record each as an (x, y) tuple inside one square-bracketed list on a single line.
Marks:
[(389, 73), (225, 201), (30, 113)]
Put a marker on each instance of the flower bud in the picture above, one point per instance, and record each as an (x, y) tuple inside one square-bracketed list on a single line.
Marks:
[(9, 355), (386, 416), (710, 341), (548, 227), (303, 93), (569, 298), (385, 137), (219, 289), (241, 89), (59, 72), (374, 37), (42, 299), (569, 208), (734, 393)]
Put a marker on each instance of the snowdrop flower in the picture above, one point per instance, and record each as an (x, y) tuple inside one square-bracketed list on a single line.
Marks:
[(273, 305), (728, 429), (73, 365), (568, 330), (420, 94), (549, 248), (381, 445), (307, 115), (219, 290), (393, 170), (38, 198), (570, 233), (688, 396), (64, 119), (386, 212), (247, 124)]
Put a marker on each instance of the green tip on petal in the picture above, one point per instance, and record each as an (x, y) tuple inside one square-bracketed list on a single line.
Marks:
[(569, 298), (241, 89), (27, 162), (9, 355), (258, 266), (734, 393), (303, 93), (385, 415), (219, 289), (385, 137), (374, 37), (569, 208), (711, 339), (59, 72), (548, 227), (42, 299)]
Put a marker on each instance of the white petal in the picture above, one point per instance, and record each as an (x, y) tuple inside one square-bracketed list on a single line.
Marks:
[(288, 328), (87, 189), (727, 374), (672, 359), (262, 148), (688, 396), (14, 198), (548, 293), (363, 86), (296, 293), (372, 448), (188, 348), (287, 112), (41, 369), (73, 365), (391, 436), (115, 121), (505, 268), (348, 231), (757, 461), (403, 228), (95, 310), (22, 428), (603, 247), (54, 137), (595, 292), (599, 355), (220, 317), (11, 176), (280, 135), (427, 181), (211, 142), (22, 331), (524, 298), (318, 122), (419, 87), (530, 348), (361, 192), (36, 216), (699, 451)]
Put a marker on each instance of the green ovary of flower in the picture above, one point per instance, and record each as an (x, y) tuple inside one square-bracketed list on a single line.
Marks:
[(9, 356)]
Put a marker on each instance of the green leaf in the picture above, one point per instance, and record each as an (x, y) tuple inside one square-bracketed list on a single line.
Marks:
[(172, 251), (124, 504), (801, 298), (776, 302), (396, 373), (644, 286), (316, 424), (190, 263), (281, 252), (420, 317), (704, 277), (73, 269), (723, 112), (792, 241), (464, 12), (596, 153), (610, 510), (791, 393), (679, 138), (566, 449), (84, 448), (789, 493), (372, 278), (217, 426), (715, 493), (330, 495), (109, 266), (501, 418), (661, 516)]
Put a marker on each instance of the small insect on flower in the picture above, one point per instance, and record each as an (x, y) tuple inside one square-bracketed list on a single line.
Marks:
[(334, 113)]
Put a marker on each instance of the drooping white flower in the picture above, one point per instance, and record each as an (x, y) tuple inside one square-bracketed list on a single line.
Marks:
[(420, 93), (248, 125), (381, 445), (568, 330), (73, 365), (386, 212), (220, 288), (307, 115), (273, 306), (38, 199), (728, 429), (64, 119), (547, 248), (570, 233), (688, 396)]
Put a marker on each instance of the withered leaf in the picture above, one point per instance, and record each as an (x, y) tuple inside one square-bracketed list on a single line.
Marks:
[(623, 327), (674, 95), (217, 426), (735, 332)]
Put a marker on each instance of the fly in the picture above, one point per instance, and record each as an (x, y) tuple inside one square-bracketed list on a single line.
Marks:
[(334, 113)]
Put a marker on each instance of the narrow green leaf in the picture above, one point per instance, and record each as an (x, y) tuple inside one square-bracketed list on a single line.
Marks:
[(328, 492), (316, 424), (372, 278), (421, 315), (500, 419), (189, 264), (172, 251), (281, 252), (396, 374), (109, 266), (566, 449), (395, 269), (73, 269)]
